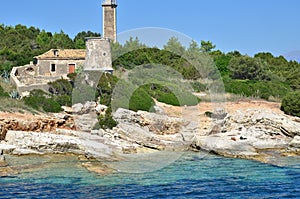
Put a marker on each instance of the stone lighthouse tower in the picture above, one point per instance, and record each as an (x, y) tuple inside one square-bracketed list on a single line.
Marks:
[(109, 19)]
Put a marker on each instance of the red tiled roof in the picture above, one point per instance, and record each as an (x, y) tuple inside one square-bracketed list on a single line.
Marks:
[(63, 54)]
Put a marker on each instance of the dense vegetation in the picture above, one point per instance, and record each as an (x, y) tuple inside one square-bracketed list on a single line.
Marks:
[(291, 104), (263, 75)]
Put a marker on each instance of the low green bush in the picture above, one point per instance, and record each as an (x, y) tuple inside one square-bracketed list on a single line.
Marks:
[(64, 100), (171, 94), (49, 105), (42, 101), (141, 100), (106, 121), (198, 87), (291, 104), (60, 87), (260, 89)]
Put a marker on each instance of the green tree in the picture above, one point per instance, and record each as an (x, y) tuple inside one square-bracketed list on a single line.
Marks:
[(133, 44), (207, 46), (62, 41), (80, 38), (43, 40), (248, 68), (234, 54), (222, 62), (174, 46), (193, 51)]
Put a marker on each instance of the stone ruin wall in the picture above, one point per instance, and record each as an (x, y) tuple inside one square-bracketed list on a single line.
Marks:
[(98, 55), (62, 67)]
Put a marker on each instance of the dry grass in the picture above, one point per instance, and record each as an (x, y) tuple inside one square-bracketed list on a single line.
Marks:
[(6, 86), (12, 105), (229, 97)]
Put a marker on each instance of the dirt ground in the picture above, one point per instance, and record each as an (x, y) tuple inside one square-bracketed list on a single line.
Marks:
[(192, 113), (27, 116), (229, 107), (206, 124)]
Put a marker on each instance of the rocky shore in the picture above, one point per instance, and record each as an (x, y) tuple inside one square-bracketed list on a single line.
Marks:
[(256, 133)]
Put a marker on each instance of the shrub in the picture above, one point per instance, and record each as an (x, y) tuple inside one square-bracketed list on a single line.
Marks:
[(261, 89), (106, 121), (166, 94), (198, 87), (60, 87), (41, 100), (291, 104), (208, 114), (141, 100), (105, 88), (222, 62), (49, 105), (64, 100)]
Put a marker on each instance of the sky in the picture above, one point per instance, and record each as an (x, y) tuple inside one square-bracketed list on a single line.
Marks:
[(249, 26)]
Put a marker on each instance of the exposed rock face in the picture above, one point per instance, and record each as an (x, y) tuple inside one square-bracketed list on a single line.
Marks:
[(249, 134), (295, 142), (153, 130), (41, 124), (258, 119), (158, 124), (85, 115), (21, 143), (80, 109)]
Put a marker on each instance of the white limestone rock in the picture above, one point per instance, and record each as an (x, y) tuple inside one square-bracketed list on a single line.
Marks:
[(295, 142)]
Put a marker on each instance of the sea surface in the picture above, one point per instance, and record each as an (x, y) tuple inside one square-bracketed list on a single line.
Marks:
[(192, 175)]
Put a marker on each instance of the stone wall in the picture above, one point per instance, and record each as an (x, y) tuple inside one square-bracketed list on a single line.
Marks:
[(27, 70), (109, 21), (62, 67), (25, 82), (98, 55)]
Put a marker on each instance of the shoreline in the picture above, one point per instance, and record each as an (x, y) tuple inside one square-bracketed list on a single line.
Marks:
[(250, 129)]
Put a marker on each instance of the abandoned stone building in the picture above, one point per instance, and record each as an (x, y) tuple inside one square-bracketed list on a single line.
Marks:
[(58, 63)]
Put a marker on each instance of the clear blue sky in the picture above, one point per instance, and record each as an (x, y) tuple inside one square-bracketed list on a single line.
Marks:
[(249, 26)]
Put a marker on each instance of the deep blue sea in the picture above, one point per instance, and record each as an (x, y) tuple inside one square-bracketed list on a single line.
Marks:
[(190, 176)]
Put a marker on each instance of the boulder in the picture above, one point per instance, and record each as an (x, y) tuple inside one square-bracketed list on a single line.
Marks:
[(22, 143), (100, 109), (85, 108), (77, 108), (225, 145), (89, 107), (295, 142), (85, 122)]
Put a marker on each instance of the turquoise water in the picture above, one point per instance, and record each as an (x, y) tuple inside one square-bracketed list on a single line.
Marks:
[(191, 176)]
